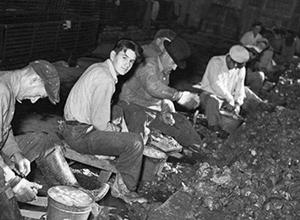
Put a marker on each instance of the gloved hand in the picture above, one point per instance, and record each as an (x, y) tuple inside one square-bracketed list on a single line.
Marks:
[(189, 100), (22, 164), (26, 191), (167, 118)]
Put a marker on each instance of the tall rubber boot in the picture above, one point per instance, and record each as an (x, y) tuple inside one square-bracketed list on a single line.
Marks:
[(56, 171), (55, 168)]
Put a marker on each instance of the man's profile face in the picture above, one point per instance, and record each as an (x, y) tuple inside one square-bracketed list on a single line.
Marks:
[(168, 63), (123, 60), (35, 92), (256, 29)]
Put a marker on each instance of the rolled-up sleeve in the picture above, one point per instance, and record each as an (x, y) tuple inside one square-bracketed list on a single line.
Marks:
[(10, 147), (7, 140), (239, 94)]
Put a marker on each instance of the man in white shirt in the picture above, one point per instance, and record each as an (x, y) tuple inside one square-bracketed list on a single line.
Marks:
[(251, 37), (223, 84)]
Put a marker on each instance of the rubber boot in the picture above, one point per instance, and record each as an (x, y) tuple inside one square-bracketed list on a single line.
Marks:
[(55, 168), (56, 171)]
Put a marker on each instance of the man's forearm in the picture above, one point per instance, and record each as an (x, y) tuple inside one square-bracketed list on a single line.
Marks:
[(8, 173)]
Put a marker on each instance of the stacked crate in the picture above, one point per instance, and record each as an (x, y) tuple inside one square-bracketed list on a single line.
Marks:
[(46, 29)]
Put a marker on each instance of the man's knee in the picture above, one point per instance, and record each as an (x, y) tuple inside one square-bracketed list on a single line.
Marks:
[(137, 142)]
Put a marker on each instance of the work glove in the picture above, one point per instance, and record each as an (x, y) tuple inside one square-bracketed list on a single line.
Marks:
[(22, 164), (167, 118), (26, 191), (189, 100)]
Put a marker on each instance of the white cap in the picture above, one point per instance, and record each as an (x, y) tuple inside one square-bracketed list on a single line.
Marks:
[(239, 54)]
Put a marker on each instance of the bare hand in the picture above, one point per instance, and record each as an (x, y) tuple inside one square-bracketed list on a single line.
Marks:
[(167, 118), (22, 164), (113, 127), (228, 107), (189, 100), (26, 191), (237, 109)]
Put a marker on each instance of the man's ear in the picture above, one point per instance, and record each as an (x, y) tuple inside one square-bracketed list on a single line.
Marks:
[(112, 55), (35, 79)]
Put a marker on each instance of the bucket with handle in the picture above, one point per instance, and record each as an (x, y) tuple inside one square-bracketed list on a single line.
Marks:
[(230, 121), (68, 203)]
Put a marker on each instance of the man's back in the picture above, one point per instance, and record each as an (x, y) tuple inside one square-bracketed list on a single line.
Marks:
[(90, 94)]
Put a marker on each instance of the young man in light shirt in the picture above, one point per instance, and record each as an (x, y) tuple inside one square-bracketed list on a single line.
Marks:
[(88, 128), (37, 80)]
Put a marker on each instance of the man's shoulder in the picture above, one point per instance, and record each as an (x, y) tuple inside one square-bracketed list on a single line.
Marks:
[(98, 70), (5, 91), (217, 60), (4, 87)]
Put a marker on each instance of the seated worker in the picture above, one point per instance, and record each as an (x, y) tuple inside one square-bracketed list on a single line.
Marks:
[(254, 77), (266, 63), (223, 85), (88, 128), (156, 47), (147, 100), (251, 37), (37, 80)]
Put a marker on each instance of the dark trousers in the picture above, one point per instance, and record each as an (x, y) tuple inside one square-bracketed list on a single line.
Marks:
[(128, 147), (34, 145), (9, 208), (182, 131), (211, 105)]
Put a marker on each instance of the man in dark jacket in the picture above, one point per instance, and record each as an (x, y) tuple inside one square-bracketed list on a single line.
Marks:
[(147, 99)]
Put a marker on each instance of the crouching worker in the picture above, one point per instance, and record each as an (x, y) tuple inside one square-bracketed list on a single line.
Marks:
[(37, 80), (147, 99), (87, 112), (223, 85)]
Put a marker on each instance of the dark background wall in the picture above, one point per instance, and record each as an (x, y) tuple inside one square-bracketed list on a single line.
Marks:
[(63, 29)]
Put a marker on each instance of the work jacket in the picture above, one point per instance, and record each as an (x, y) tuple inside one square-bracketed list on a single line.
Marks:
[(9, 88), (148, 86)]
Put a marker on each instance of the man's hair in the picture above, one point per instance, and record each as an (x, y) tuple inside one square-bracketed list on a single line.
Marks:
[(168, 33), (124, 44), (257, 23)]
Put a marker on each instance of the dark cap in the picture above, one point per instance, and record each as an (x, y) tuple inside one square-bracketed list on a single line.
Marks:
[(49, 75), (168, 33), (179, 51)]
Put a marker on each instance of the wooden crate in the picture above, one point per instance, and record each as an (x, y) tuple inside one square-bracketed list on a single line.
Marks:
[(21, 43)]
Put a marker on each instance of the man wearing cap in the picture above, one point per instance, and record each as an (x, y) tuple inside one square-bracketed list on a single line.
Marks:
[(223, 84), (37, 80), (156, 47), (88, 127), (146, 97)]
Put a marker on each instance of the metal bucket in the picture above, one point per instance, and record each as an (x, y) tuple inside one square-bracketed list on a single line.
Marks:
[(230, 122), (68, 203)]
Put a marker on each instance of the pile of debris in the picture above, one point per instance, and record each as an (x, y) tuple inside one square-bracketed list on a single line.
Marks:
[(255, 175)]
